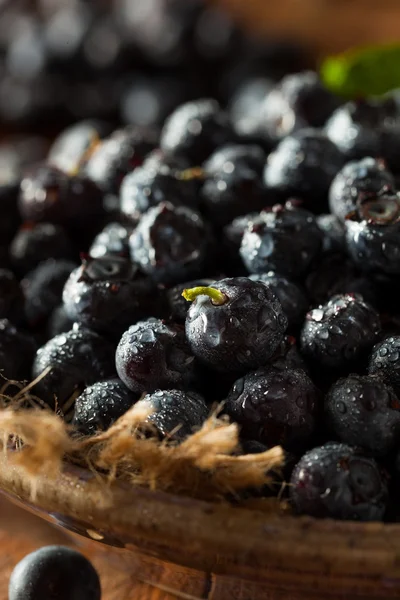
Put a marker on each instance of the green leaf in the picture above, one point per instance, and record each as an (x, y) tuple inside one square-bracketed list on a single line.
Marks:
[(363, 72)]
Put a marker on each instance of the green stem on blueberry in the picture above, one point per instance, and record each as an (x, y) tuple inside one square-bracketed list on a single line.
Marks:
[(218, 298)]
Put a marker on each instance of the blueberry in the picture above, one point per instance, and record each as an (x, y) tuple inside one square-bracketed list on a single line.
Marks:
[(112, 240), (385, 362), (372, 234), (287, 356), (285, 239), (195, 129), (177, 306), (17, 351), (275, 406), (176, 413), (170, 243), (338, 333), (11, 297), (299, 100), (54, 572), (77, 358), (145, 188), (119, 154), (101, 404), (292, 298), (338, 481), (245, 108), (333, 233), (43, 289), (233, 156), (233, 232), (365, 412), (367, 128), (234, 191), (303, 165), (153, 355), (361, 178), (35, 243), (59, 322), (234, 325), (107, 295), (49, 194)]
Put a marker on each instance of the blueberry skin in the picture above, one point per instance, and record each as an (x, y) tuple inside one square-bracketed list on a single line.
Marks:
[(17, 351), (385, 362), (119, 154), (299, 100), (152, 355), (170, 243), (233, 232), (11, 297), (176, 413), (107, 295), (59, 322), (194, 130), (77, 358), (112, 240), (286, 240), (367, 176), (339, 331), (337, 481), (34, 244), (367, 128), (54, 572), (303, 165), (275, 406), (292, 298), (43, 288), (101, 404), (241, 334), (230, 194), (374, 247), (363, 411), (144, 188), (233, 156)]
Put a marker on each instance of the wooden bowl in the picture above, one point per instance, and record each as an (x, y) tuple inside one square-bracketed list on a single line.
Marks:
[(215, 551)]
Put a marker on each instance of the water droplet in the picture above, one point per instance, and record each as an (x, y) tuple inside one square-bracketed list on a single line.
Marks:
[(383, 351), (341, 407), (317, 314), (394, 357)]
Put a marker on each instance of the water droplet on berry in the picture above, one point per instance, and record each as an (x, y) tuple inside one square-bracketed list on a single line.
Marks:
[(317, 314), (383, 351), (394, 357), (341, 407)]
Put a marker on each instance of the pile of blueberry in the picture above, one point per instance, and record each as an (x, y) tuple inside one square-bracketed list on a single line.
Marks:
[(246, 254), (54, 573)]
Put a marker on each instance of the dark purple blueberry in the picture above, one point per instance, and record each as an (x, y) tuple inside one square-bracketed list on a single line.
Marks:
[(17, 351), (333, 233), (177, 306), (233, 232), (113, 240), (43, 289), (153, 355), (338, 333), (336, 274), (118, 155), (363, 411), (49, 194), (72, 361), (107, 295), (170, 243), (234, 325), (245, 108), (385, 362), (373, 234), (299, 100), (101, 404), (145, 188), (195, 129), (35, 243), (285, 239), (275, 406), (292, 298), (303, 165), (59, 322), (232, 192), (71, 148), (358, 179), (11, 297), (176, 413), (287, 356), (337, 481), (367, 128), (233, 156), (54, 572)]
